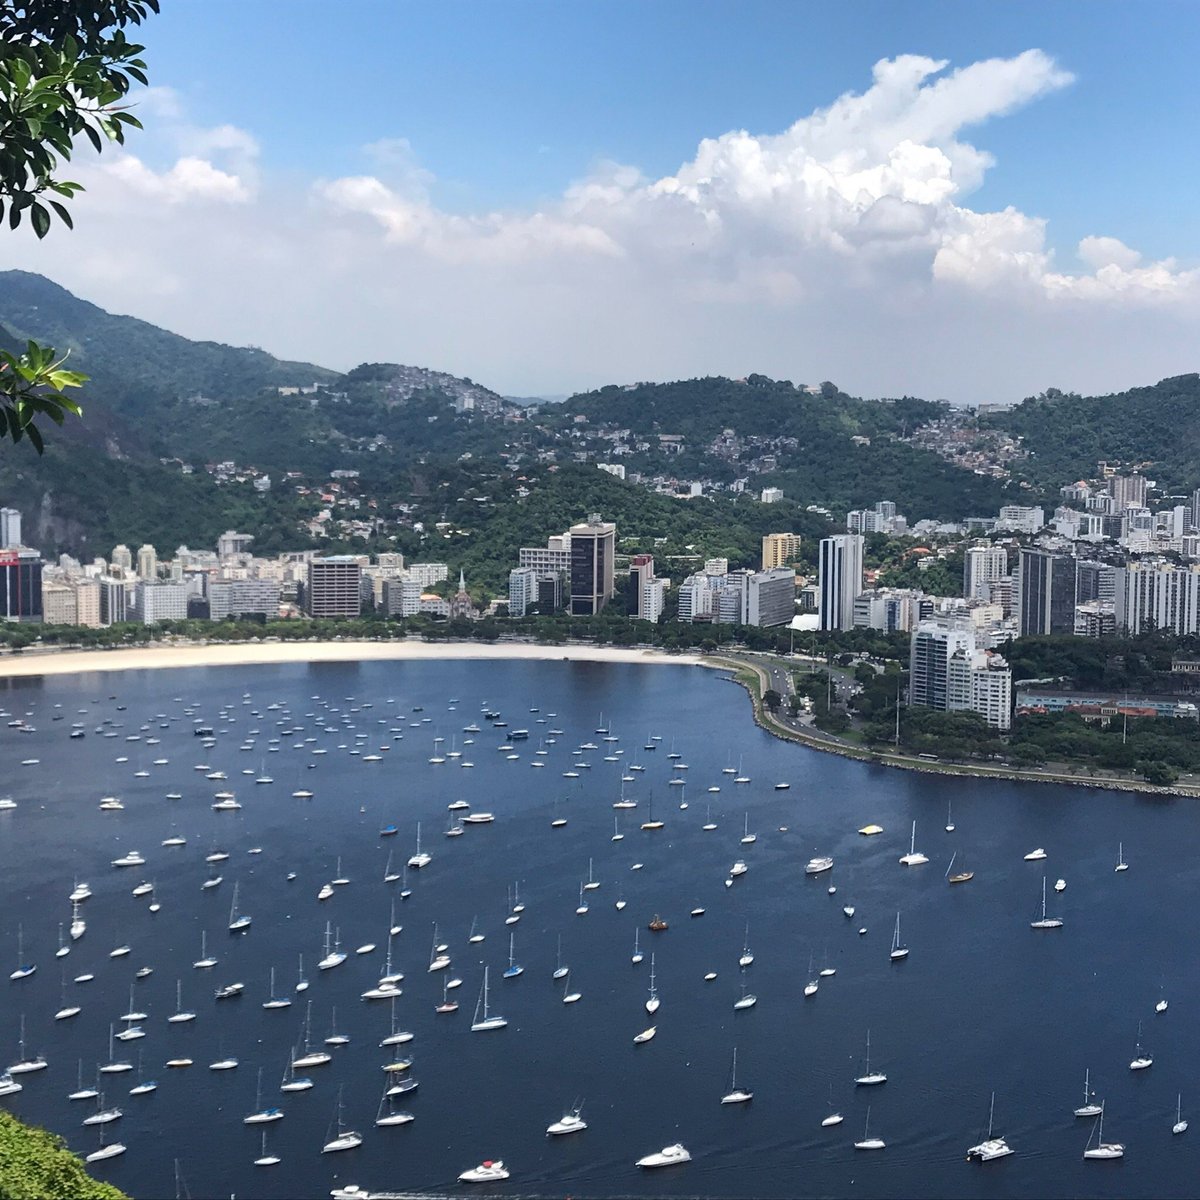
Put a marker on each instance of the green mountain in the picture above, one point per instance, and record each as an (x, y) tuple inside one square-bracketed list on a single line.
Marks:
[(1066, 435), (828, 448)]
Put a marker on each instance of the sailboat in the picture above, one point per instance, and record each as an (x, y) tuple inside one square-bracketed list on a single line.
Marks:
[(419, 858), (1088, 1108), (334, 957), (111, 1150), (301, 981), (291, 1081), (486, 1021), (914, 858), (25, 1066), (637, 955), (1122, 865), (834, 1117), (144, 1086), (388, 1114), (560, 972), (746, 957), (180, 1015), (389, 876), (475, 936), (650, 822), (810, 988), (1141, 1060), (735, 1095), (582, 906), (709, 824), (748, 838), (24, 969), (617, 835), (310, 1057), (949, 819), (1180, 1125), (237, 921), (591, 884), (80, 1093), (959, 876), (899, 951), (264, 1159), (1045, 922), (346, 1139), (447, 1005), (439, 960), (205, 960), (653, 1002), (868, 1142), (869, 1078), (260, 1115), (112, 1067), (1102, 1149), (273, 1001), (991, 1147), (569, 996), (513, 969)]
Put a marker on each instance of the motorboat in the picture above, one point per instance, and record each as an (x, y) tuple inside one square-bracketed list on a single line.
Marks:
[(668, 1156), (570, 1122), (488, 1171), (1035, 855), (818, 865)]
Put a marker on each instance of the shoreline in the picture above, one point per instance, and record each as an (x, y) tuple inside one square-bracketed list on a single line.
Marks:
[(31, 664), (175, 655)]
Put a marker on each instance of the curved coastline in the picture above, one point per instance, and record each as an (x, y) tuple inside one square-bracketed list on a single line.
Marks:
[(744, 671), (162, 656)]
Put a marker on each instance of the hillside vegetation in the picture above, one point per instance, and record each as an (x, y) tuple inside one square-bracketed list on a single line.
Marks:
[(36, 1165)]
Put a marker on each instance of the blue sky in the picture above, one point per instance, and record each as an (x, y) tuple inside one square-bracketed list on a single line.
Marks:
[(966, 200), (506, 102)]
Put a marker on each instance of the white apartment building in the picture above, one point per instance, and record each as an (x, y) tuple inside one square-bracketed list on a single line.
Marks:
[(1021, 518), (522, 590), (427, 574), (771, 495), (1157, 593), (983, 564), (159, 601)]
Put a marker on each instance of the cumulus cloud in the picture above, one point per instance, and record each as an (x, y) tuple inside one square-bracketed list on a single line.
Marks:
[(781, 251)]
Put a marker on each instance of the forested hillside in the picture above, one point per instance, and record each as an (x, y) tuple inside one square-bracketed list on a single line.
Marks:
[(1066, 435)]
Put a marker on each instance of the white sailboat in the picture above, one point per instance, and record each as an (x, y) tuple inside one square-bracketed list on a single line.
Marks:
[(949, 819), (868, 1142), (205, 961), (991, 1147), (652, 1004), (260, 1115), (334, 956), (439, 960), (1180, 1125), (345, 1139), (1122, 865), (1045, 922), (514, 968), (1089, 1108), (485, 1020), (560, 972), (748, 838), (869, 1078), (24, 969), (899, 950), (310, 1057), (237, 921), (1141, 1060), (914, 858), (637, 955), (834, 1117), (736, 1095), (419, 858), (1102, 1149), (274, 1001)]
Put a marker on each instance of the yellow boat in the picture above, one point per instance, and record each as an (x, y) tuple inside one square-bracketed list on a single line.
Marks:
[(868, 830)]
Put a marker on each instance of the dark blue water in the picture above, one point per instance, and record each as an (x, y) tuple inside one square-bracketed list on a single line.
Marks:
[(982, 1004)]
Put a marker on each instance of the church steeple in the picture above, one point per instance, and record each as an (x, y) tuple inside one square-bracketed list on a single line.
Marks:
[(462, 581)]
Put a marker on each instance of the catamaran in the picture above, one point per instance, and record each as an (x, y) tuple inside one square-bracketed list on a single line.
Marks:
[(914, 858), (991, 1147)]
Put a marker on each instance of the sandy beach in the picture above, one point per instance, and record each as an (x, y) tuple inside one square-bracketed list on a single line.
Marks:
[(162, 657)]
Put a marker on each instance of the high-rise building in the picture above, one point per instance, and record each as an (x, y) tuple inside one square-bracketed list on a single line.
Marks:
[(779, 549), (983, 564), (1095, 581), (554, 556), (114, 600), (1046, 593), (522, 590), (334, 587), (1156, 594), (593, 549), (158, 600), (20, 585), (243, 597), (1128, 491), (147, 562), (646, 591), (87, 603), (401, 597), (840, 579), (58, 603), (122, 560), (10, 528), (231, 543), (771, 597), (771, 495), (1196, 509), (948, 673)]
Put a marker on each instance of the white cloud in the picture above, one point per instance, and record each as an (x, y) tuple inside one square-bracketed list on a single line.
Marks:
[(842, 247)]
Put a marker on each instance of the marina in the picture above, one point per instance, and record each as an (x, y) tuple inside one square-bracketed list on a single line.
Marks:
[(982, 1006)]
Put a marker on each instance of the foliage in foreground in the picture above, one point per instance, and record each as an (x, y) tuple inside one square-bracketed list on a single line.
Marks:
[(36, 1165)]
